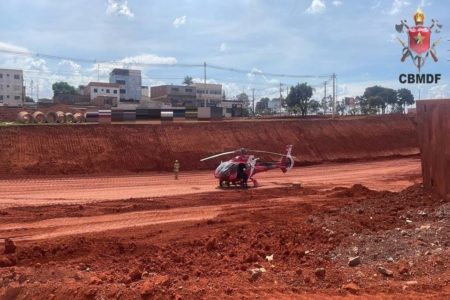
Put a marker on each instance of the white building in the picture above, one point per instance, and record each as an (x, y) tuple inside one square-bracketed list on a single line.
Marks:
[(232, 108), (11, 87), (209, 93), (102, 93), (95, 89)]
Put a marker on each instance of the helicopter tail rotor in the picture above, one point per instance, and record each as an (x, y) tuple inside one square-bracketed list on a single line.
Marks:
[(252, 163), (287, 160)]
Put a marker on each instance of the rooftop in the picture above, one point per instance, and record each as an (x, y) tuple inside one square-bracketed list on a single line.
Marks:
[(103, 84)]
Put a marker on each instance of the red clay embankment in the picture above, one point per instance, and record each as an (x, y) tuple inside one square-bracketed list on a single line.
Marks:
[(106, 149)]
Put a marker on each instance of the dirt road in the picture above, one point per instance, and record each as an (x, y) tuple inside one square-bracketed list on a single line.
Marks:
[(111, 192), (393, 175)]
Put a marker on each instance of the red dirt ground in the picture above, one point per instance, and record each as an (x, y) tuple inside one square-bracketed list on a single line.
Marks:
[(157, 242)]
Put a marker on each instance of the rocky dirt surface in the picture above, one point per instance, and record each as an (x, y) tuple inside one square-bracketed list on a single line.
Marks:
[(276, 242)]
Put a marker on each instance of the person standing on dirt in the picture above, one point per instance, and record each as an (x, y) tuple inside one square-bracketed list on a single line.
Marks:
[(176, 169), (242, 175)]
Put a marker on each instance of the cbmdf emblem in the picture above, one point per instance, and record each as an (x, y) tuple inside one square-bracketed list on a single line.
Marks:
[(419, 46)]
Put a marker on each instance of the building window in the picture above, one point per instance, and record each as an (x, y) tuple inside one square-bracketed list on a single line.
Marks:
[(16, 97), (189, 90), (123, 91), (175, 89), (7, 75), (1, 86), (1, 97), (120, 81), (7, 96), (115, 91), (1, 75), (16, 76), (17, 88), (107, 91), (103, 90), (95, 90)]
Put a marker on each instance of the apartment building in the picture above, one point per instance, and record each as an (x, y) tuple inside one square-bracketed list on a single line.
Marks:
[(11, 87), (130, 82), (174, 95), (209, 94)]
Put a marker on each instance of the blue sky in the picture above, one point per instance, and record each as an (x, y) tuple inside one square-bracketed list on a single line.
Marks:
[(354, 39)]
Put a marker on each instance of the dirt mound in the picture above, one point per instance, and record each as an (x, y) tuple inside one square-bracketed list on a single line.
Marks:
[(357, 190), (83, 149)]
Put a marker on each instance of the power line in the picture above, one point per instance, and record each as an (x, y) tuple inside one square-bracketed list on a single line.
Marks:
[(204, 65)]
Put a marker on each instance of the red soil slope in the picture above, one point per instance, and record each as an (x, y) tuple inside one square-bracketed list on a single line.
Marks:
[(83, 149)]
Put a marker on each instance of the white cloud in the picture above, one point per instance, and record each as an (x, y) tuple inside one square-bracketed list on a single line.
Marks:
[(119, 8), (397, 6), (376, 5), (223, 47), (424, 3), (11, 47), (69, 66), (137, 62), (337, 3), (317, 6), (439, 91), (253, 73), (179, 21)]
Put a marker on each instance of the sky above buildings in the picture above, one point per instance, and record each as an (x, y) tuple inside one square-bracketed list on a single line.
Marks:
[(168, 40)]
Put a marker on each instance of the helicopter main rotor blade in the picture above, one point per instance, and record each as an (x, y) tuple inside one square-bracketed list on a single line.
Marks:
[(268, 152), (217, 155)]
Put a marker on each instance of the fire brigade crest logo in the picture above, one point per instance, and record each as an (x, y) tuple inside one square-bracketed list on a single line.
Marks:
[(419, 46)]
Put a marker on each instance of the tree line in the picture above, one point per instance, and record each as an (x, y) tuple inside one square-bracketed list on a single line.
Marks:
[(375, 100)]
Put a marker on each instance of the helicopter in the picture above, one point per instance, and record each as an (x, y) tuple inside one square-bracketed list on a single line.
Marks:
[(245, 165)]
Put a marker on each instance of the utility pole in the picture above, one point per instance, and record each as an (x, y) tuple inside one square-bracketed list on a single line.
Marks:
[(253, 101), (204, 83), (334, 95), (31, 88), (98, 72), (23, 91), (37, 93)]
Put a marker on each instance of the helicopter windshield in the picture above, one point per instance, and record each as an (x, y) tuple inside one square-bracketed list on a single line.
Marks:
[(226, 168)]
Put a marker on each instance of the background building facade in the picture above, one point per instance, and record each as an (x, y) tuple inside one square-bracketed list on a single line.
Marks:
[(103, 94), (11, 87), (130, 82), (175, 95), (209, 93)]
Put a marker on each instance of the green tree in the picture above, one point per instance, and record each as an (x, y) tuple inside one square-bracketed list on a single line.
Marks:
[(299, 97), (262, 106), (188, 80), (379, 97), (243, 97), (63, 88), (404, 98), (80, 89), (314, 106), (340, 108)]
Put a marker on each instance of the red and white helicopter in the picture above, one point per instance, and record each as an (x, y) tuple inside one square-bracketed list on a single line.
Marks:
[(245, 165)]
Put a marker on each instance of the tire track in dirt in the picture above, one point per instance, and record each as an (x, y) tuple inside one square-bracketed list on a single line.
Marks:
[(57, 227)]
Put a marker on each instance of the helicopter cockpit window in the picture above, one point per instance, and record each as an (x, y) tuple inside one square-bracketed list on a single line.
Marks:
[(226, 167)]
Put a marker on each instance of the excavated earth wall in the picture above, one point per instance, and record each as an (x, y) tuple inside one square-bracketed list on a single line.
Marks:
[(118, 148)]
